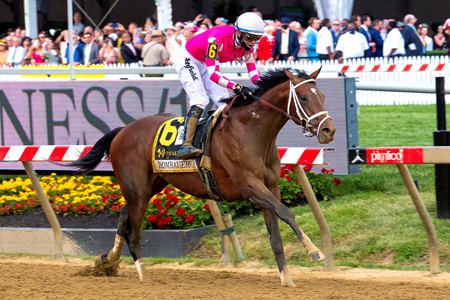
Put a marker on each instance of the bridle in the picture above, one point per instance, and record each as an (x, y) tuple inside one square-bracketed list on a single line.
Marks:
[(302, 117)]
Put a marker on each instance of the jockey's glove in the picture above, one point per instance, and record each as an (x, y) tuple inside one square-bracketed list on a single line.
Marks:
[(242, 90)]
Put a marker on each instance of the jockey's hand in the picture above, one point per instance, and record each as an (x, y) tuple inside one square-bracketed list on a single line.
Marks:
[(242, 91)]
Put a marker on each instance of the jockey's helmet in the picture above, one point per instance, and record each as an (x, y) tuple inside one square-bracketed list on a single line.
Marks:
[(251, 28)]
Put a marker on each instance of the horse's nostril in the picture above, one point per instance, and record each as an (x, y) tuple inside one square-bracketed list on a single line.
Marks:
[(328, 131)]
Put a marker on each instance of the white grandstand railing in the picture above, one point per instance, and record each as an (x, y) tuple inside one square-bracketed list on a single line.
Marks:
[(421, 72)]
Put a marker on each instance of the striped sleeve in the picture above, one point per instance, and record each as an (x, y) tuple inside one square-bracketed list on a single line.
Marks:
[(253, 73), (212, 66)]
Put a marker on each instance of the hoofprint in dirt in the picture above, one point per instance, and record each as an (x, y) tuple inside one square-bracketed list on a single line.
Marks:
[(42, 277)]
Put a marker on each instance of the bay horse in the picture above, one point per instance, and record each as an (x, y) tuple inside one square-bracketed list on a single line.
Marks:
[(244, 160)]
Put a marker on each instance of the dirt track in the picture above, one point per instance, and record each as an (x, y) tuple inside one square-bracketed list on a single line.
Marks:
[(32, 278)]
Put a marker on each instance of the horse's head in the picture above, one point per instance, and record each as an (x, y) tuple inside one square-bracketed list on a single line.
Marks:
[(306, 107)]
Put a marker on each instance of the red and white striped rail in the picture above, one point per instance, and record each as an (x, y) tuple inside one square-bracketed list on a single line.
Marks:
[(301, 156), (43, 153), (288, 155), (416, 67)]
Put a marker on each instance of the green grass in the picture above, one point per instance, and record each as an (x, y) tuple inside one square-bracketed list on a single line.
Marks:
[(372, 219)]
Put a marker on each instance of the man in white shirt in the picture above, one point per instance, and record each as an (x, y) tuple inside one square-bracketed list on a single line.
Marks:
[(351, 44), (324, 46), (16, 52), (394, 44)]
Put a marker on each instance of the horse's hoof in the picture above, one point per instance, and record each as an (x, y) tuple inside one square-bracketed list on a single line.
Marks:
[(316, 256), (286, 279), (103, 267)]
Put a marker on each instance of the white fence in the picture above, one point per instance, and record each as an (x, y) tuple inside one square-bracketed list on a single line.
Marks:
[(405, 72)]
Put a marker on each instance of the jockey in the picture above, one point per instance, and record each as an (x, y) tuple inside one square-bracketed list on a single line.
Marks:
[(198, 64)]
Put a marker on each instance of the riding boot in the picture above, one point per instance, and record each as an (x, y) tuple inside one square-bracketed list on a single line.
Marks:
[(190, 125)]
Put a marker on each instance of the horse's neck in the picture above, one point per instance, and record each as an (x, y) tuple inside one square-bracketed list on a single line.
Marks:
[(263, 122)]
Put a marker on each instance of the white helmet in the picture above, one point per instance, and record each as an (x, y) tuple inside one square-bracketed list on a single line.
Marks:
[(250, 22)]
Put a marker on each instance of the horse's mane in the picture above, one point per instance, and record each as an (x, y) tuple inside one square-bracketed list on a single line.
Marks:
[(268, 80)]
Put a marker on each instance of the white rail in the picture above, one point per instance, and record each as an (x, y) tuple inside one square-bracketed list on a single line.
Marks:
[(380, 81)]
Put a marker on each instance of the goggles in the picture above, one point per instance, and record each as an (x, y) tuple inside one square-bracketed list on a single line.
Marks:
[(248, 37)]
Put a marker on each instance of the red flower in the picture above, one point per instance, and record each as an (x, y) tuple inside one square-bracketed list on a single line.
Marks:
[(307, 168), (18, 206), (189, 218), (152, 218), (180, 212), (156, 202), (206, 207), (336, 181)]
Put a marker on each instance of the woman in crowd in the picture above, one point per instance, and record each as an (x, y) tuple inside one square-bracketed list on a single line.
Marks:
[(3, 53), (439, 39), (297, 27), (52, 55), (265, 45), (427, 41), (108, 53), (36, 53)]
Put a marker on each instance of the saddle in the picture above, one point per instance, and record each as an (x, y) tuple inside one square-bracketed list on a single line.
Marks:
[(168, 141)]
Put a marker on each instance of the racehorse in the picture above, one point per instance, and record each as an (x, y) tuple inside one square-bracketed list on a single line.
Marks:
[(244, 160)]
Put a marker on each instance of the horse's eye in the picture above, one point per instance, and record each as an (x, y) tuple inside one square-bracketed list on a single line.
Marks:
[(303, 98)]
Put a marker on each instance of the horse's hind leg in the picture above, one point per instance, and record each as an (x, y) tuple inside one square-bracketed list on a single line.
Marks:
[(108, 263), (277, 246)]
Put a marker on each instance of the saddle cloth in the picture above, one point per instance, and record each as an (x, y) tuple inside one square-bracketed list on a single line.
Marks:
[(169, 139)]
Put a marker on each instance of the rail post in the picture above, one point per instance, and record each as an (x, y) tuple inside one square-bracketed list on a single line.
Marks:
[(48, 210), (441, 138)]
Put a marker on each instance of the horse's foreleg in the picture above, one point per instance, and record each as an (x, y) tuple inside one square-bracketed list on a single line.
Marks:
[(285, 214), (277, 246), (267, 200)]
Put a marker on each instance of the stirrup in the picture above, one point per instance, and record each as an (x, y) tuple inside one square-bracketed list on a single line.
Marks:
[(189, 152)]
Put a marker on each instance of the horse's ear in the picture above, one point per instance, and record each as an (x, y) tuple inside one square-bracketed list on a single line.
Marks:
[(290, 75), (315, 73)]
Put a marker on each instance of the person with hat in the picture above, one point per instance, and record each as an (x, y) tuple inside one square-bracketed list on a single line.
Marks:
[(3, 53), (286, 42), (394, 44), (154, 53), (221, 21), (173, 41), (198, 68)]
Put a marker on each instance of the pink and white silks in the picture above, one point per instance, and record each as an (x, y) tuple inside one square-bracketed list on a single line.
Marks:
[(198, 65)]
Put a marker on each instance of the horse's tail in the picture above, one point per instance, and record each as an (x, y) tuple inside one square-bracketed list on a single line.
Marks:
[(90, 161)]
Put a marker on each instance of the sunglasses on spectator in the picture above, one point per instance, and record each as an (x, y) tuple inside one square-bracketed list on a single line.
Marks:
[(248, 37), (336, 24)]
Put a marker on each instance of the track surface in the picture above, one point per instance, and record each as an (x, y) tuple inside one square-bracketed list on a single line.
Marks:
[(44, 278)]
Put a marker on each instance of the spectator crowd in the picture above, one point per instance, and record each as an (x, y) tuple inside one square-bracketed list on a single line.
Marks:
[(284, 39)]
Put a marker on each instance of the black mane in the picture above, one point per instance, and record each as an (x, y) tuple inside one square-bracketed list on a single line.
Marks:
[(268, 80)]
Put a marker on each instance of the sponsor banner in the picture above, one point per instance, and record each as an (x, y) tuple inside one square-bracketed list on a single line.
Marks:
[(63, 112), (391, 155)]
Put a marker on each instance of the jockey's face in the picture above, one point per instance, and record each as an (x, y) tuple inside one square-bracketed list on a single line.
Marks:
[(249, 39)]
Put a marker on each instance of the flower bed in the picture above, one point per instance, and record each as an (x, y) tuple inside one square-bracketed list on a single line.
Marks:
[(169, 209)]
